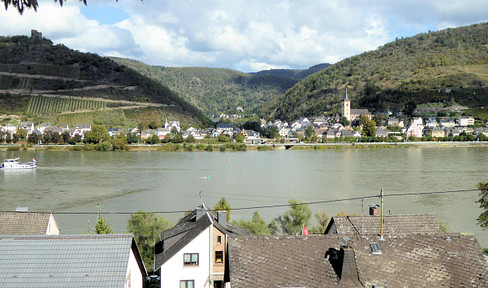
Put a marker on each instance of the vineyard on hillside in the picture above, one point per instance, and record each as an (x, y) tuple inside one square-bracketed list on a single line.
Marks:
[(39, 105), (76, 118)]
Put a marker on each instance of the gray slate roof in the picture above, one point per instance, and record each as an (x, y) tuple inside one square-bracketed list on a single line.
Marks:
[(65, 261), (307, 261), (24, 223), (392, 224), (189, 227)]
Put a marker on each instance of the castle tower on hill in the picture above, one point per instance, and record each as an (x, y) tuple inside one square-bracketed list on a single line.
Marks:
[(346, 107)]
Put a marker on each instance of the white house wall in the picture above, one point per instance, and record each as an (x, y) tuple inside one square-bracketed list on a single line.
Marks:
[(52, 226), (133, 277), (173, 270)]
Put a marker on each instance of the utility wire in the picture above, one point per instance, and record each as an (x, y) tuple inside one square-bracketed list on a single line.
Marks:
[(274, 205)]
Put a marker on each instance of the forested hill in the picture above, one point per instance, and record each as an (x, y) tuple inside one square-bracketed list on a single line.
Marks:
[(296, 74), (34, 65), (216, 90), (448, 65)]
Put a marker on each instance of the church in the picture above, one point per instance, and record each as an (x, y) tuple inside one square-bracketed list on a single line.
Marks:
[(352, 114)]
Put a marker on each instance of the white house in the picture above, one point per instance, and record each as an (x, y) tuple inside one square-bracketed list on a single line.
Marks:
[(193, 252), (27, 126), (10, 129), (447, 123), (413, 129), (418, 120), (465, 121)]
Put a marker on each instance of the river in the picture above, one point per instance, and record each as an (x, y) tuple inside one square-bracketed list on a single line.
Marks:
[(170, 182)]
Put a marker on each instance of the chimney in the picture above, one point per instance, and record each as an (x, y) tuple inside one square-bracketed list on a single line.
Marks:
[(200, 211), (374, 209), (222, 217), (349, 272)]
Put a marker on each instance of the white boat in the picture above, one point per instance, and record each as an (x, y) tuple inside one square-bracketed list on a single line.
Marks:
[(15, 164)]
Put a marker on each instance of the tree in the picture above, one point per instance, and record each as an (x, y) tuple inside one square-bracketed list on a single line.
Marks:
[(66, 137), (369, 128), (410, 108), (178, 138), (222, 138), (33, 138), (154, 139), (132, 138), (483, 218), (190, 139), (21, 134), (98, 134), (323, 219), (309, 132), (344, 121), (146, 228), (257, 225), (167, 138), (102, 227), (223, 205), (240, 138), (293, 220)]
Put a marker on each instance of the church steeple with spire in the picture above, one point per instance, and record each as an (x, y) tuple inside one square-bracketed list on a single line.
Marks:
[(346, 107)]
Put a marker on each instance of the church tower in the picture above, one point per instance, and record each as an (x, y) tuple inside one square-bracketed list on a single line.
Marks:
[(346, 107)]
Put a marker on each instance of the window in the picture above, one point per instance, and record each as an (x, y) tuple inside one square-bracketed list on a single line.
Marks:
[(219, 256), (190, 259), (187, 283), (219, 240)]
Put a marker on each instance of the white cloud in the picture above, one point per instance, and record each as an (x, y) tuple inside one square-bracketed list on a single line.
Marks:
[(242, 34)]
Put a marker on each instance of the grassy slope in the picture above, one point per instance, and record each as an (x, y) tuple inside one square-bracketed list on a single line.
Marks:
[(387, 78)]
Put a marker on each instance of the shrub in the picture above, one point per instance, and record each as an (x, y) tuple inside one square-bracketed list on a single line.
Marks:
[(223, 148), (104, 146), (209, 148), (189, 147)]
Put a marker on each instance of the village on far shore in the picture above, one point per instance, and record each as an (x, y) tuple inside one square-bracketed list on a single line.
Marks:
[(348, 127)]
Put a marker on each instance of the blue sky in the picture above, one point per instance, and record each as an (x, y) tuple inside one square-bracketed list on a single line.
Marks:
[(246, 35)]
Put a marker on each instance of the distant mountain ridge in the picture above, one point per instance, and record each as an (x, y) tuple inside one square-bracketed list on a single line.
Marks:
[(297, 74), (218, 90), (448, 65)]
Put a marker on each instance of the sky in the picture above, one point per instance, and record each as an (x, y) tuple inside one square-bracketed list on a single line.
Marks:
[(244, 35)]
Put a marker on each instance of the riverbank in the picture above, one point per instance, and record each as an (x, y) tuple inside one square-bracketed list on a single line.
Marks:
[(224, 147)]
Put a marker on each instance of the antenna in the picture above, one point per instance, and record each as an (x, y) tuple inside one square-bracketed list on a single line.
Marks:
[(381, 225), (362, 217)]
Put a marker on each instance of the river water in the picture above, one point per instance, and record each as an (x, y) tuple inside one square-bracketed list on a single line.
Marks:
[(170, 182)]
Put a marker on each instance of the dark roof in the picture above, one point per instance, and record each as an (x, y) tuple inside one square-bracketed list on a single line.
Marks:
[(432, 260), (187, 229), (66, 261), (360, 111), (392, 224), (24, 223)]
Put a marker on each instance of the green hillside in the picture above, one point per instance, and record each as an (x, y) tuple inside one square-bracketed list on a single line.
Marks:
[(445, 66), (53, 80), (215, 90)]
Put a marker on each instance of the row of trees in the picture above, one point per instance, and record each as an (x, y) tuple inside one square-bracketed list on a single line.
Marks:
[(291, 222)]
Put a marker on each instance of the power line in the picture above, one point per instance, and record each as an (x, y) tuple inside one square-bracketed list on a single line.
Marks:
[(274, 205)]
